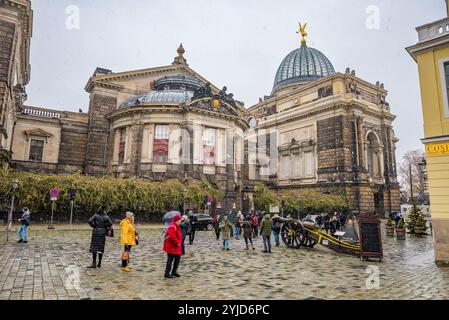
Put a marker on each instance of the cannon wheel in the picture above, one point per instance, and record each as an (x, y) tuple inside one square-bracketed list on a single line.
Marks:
[(309, 241), (293, 234)]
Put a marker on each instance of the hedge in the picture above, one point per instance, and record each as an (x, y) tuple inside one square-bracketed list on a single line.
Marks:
[(308, 202), (117, 195)]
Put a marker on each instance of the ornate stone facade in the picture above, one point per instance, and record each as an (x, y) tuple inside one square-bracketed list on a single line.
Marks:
[(334, 136), (321, 130), (159, 123), (15, 33)]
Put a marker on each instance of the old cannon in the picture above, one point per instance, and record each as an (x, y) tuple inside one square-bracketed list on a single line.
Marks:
[(296, 234)]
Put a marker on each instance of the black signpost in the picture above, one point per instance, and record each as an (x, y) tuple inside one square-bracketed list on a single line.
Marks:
[(370, 236)]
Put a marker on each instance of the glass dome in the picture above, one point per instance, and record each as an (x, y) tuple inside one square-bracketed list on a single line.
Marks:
[(177, 82), (166, 96), (174, 89), (303, 65)]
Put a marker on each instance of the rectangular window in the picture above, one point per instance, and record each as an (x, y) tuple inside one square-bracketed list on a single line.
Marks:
[(309, 164), (296, 165), (161, 132), (284, 167), (209, 138), (160, 144), (446, 78), (36, 150), (121, 150)]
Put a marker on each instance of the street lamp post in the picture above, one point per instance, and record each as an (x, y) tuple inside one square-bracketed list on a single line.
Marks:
[(422, 172), (411, 184), (72, 193), (184, 193), (15, 185)]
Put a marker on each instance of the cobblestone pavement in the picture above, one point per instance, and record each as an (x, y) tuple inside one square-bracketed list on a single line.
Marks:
[(39, 270)]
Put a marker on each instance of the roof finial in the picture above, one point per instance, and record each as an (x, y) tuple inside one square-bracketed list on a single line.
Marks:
[(180, 58), (302, 31)]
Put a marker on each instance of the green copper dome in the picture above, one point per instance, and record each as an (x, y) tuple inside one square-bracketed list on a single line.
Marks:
[(303, 65)]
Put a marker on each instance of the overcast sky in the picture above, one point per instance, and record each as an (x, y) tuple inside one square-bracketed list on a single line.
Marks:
[(237, 43)]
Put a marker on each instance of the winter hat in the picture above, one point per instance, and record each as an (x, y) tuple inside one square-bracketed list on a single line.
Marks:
[(176, 218)]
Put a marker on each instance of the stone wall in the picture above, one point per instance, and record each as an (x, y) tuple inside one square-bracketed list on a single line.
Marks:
[(98, 135), (7, 31), (15, 35), (333, 147), (72, 151)]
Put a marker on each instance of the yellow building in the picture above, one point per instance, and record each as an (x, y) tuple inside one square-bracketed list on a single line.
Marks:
[(432, 55)]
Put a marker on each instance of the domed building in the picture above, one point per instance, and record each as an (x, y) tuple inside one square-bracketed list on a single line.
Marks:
[(317, 130), (302, 65), (158, 123), (326, 131)]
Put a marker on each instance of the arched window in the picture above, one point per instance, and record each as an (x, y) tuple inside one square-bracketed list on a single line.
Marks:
[(122, 144), (373, 152)]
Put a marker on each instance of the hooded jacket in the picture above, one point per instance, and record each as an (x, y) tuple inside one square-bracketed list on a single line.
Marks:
[(266, 226), (173, 240)]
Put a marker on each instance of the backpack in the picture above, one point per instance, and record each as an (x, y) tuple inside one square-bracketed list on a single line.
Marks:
[(277, 225), (255, 221)]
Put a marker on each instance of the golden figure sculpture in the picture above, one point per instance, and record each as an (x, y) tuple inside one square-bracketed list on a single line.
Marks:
[(302, 31)]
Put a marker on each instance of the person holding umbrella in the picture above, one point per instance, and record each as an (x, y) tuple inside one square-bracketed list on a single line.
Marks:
[(173, 247), (168, 217)]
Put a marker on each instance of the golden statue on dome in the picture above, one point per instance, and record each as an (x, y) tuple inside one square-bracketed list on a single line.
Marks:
[(302, 31)]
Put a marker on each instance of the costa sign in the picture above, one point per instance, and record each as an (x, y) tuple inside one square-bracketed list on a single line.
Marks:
[(437, 148)]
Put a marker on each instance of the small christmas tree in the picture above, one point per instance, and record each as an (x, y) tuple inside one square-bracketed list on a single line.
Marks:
[(415, 219)]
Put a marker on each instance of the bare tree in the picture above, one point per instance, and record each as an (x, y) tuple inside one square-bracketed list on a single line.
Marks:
[(410, 164)]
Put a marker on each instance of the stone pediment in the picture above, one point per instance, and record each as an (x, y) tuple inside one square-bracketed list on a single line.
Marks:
[(206, 104), (37, 133), (221, 102), (141, 78)]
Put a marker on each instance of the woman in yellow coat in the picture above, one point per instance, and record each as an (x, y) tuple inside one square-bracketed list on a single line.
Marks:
[(128, 238)]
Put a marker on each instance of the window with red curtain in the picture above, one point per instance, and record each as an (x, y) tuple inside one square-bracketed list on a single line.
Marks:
[(209, 137), (160, 144), (122, 144)]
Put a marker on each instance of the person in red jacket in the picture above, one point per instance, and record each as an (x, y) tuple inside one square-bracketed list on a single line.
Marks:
[(173, 247)]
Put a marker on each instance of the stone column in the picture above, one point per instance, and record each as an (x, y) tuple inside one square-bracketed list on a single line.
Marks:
[(187, 146)]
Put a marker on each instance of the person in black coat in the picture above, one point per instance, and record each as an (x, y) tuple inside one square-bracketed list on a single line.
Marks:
[(326, 222), (193, 221), (334, 225), (342, 219), (100, 223)]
